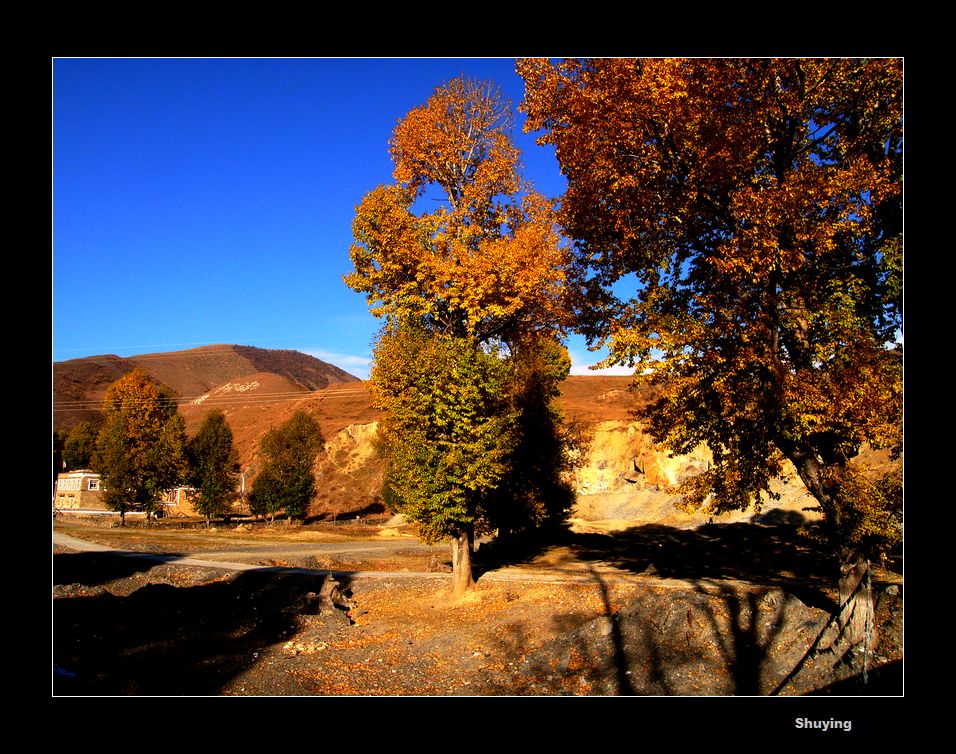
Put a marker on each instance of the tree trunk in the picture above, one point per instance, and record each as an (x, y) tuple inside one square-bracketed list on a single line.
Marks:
[(854, 618), (462, 579)]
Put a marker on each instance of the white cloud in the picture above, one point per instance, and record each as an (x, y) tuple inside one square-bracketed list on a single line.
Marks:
[(351, 363), (360, 366), (581, 366)]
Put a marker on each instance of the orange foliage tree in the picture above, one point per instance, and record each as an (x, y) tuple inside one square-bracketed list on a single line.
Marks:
[(486, 262), (140, 451), (738, 230), (458, 249)]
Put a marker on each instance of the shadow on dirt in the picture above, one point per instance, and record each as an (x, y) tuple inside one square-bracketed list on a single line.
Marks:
[(768, 553), (515, 550), (759, 594), (167, 640), (713, 639), (744, 627), (92, 568), (886, 680), (374, 510)]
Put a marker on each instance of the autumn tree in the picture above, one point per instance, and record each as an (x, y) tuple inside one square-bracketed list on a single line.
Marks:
[(140, 450), (80, 446), (738, 228), (448, 433), (286, 480), (213, 465), (464, 258)]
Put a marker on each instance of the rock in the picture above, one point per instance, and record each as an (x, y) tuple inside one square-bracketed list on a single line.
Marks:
[(304, 647), (330, 600), (564, 661), (893, 590), (331, 596)]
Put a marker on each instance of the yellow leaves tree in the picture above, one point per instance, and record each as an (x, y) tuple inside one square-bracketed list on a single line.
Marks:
[(487, 262), (738, 231), (140, 451), (464, 259)]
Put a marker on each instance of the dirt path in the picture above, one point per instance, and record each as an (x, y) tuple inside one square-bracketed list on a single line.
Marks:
[(254, 555)]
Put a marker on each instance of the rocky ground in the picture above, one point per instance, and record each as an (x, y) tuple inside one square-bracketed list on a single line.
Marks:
[(719, 610)]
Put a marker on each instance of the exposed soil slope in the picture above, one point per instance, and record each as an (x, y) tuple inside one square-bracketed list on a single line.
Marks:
[(348, 473)]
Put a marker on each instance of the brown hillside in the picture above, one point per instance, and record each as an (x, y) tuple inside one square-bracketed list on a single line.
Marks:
[(591, 399), (349, 472), (623, 477), (193, 372), (308, 371), (80, 384), (257, 402)]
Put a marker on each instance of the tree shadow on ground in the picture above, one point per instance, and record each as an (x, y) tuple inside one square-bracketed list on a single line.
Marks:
[(717, 639), (886, 680), (619, 660), (585, 653), (517, 549), (713, 639), (168, 640), (375, 509), (93, 568), (773, 554), (744, 627), (754, 596)]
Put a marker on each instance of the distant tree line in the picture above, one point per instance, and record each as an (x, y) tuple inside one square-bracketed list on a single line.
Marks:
[(141, 451)]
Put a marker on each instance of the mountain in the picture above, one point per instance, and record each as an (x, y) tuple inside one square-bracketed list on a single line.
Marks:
[(79, 385)]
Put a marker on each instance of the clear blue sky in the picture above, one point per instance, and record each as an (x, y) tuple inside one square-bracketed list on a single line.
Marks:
[(200, 201)]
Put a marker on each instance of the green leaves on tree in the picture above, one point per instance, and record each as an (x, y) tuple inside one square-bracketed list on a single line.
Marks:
[(286, 480)]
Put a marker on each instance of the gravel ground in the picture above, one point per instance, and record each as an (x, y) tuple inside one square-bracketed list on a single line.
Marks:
[(130, 626)]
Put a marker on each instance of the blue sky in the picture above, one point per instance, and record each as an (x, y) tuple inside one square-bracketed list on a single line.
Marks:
[(201, 201)]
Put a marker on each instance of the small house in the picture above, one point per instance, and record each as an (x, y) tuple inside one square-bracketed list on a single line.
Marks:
[(180, 501), (80, 490)]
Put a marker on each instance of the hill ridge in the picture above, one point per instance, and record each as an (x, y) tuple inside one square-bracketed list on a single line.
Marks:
[(79, 385)]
